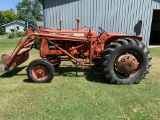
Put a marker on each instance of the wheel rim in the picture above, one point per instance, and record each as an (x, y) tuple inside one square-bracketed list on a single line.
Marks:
[(126, 64), (40, 72)]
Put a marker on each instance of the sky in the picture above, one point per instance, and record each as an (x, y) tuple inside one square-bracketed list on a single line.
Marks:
[(8, 4)]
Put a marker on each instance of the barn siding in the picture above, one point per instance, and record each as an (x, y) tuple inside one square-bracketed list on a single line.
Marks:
[(112, 15)]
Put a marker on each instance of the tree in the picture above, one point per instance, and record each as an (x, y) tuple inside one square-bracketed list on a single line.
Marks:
[(30, 22), (2, 30), (36, 10), (2, 22), (2, 19), (9, 16), (23, 8), (29, 6)]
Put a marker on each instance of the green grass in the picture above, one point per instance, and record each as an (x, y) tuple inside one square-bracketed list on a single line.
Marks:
[(77, 94), (2, 37)]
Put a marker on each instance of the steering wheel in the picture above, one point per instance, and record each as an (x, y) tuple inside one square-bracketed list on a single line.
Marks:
[(103, 31)]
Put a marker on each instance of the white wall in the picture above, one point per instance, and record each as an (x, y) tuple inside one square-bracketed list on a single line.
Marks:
[(14, 26)]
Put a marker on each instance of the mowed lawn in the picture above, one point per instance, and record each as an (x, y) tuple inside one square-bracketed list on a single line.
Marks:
[(77, 93)]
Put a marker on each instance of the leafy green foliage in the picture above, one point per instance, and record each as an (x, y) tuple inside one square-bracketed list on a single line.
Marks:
[(6, 17), (30, 22), (28, 6), (11, 35), (23, 8), (2, 22), (2, 30), (36, 10), (37, 45), (15, 34), (2, 19), (9, 16), (19, 33)]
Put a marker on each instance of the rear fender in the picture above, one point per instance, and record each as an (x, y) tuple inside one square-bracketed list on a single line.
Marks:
[(106, 40)]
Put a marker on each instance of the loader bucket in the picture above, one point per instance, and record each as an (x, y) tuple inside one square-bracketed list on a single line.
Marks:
[(8, 63), (20, 54)]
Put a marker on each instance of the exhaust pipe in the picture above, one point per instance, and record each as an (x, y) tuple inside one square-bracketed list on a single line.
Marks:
[(61, 20)]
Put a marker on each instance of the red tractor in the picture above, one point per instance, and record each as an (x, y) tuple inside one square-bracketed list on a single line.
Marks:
[(123, 59)]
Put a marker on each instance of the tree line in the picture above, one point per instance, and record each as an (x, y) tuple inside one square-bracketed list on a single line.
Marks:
[(27, 10)]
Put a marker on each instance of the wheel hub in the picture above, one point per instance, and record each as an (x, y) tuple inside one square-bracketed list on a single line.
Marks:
[(39, 72), (126, 64)]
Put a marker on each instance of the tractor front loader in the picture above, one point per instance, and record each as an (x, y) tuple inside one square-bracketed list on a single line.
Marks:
[(122, 58), (20, 53)]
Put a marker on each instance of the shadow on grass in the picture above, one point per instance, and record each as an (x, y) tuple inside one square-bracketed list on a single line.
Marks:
[(13, 72), (28, 81), (91, 74)]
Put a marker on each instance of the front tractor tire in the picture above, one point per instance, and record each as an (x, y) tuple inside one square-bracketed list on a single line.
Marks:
[(125, 61), (40, 71)]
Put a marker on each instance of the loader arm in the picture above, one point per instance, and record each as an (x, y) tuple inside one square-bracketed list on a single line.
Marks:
[(21, 52)]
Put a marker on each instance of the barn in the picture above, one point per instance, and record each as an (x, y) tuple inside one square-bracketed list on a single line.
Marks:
[(134, 17)]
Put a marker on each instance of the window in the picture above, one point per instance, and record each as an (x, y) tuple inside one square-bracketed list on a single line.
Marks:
[(17, 27), (12, 30)]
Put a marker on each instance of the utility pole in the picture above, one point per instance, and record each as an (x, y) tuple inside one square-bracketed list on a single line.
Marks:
[(27, 24), (14, 9)]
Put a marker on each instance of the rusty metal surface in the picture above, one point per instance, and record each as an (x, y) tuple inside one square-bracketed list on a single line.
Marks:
[(126, 64), (6, 65), (40, 72), (75, 44)]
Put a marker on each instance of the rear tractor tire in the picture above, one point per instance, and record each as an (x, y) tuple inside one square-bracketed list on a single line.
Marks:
[(125, 61), (40, 71)]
